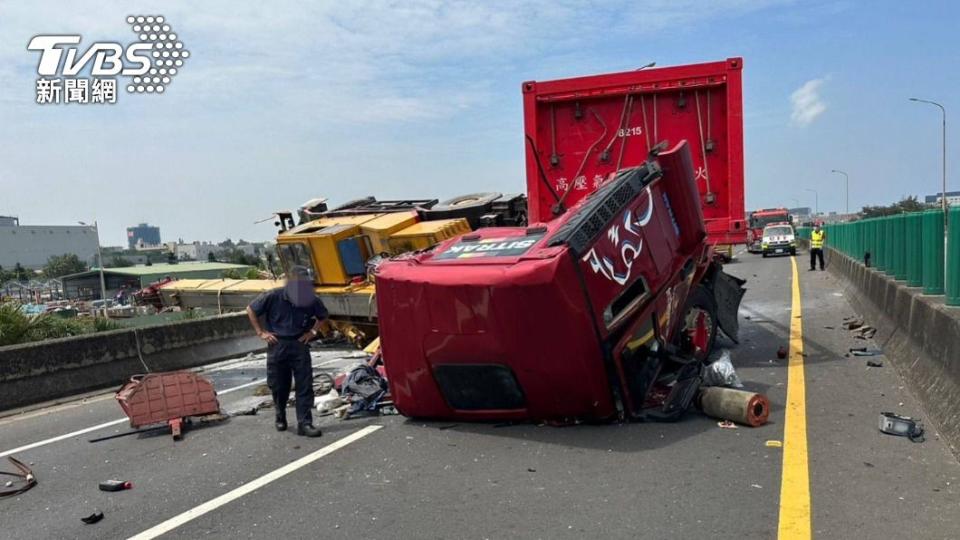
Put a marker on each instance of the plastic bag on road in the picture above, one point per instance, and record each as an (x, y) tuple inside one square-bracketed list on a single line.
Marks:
[(329, 401), (721, 373)]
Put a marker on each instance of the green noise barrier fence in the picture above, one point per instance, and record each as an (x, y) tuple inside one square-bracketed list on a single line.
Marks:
[(910, 247)]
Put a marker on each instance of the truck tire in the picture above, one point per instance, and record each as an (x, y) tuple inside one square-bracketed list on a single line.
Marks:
[(699, 331), (470, 207)]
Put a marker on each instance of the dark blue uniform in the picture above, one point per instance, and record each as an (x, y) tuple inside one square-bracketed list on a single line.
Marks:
[(288, 356)]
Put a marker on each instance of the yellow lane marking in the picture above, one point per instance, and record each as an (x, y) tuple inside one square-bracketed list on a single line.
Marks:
[(795, 480)]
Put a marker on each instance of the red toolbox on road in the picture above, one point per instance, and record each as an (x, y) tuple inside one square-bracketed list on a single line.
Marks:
[(160, 398)]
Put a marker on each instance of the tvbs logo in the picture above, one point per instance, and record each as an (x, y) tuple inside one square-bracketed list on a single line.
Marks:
[(150, 63)]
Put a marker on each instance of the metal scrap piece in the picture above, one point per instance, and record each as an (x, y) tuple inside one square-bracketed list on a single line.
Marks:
[(92, 518), (26, 479)]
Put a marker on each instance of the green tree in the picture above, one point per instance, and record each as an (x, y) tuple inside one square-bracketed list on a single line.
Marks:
[(20, 273), (234, 256), (907, 204), (62, 265), (119, 262), (211, 257)]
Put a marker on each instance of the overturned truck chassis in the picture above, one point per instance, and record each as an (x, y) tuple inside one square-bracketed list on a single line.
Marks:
[(608, 311)]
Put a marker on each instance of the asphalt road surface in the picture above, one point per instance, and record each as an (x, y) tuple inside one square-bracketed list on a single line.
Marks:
[(391, 477)]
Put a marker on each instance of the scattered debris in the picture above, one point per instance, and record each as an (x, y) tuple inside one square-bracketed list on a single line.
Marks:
[(852, 323), (531, 470), (24, 478), (364, 389), (874, 363), (782, 352), (322, 383), (726, 424), (866, 332), (863, 351), (329, 401), (115, 485), (901, 426), (721, 372), (829, 327), (248, 406), (774, 444), (758, 486), (92, 518), (740, 406)]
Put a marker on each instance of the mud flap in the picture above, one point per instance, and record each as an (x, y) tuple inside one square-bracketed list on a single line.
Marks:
[(728, 291)]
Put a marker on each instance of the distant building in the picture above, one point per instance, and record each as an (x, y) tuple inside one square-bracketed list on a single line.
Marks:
[(143, 235), (33, 245), (86, 285), (800, 214), (953, 197), (196, 251)]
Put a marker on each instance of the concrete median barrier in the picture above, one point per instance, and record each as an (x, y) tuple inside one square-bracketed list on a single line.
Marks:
[(919, 334), (35, 372)]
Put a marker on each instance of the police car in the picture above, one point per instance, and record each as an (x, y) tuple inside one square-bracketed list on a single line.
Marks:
[(778, 239)]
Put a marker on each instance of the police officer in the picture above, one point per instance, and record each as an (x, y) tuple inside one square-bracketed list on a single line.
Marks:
[(293, 316), (816, 247)]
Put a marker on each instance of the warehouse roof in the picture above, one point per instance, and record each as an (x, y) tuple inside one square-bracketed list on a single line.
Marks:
[(172, 269)]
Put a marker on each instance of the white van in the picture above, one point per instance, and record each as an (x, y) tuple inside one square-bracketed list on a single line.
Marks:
[(779, 239)]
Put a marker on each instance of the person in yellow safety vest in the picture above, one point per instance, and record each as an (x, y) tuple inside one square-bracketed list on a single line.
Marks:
[(816, 247)]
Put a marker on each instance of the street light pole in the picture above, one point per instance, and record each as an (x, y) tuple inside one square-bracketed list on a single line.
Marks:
[(847, 177), (816, 201), (103, 282), (943, 112)]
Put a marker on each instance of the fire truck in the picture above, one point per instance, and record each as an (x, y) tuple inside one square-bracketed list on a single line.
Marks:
[(760, 219)]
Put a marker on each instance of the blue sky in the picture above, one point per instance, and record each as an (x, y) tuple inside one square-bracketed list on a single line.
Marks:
[(283, 101)]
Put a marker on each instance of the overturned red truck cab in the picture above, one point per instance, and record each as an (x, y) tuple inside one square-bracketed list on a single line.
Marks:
[(607, 311)]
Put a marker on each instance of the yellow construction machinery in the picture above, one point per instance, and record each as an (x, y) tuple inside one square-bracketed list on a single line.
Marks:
[(335, 246)]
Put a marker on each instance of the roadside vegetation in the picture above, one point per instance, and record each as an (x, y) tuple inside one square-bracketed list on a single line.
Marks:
[(19, 327)]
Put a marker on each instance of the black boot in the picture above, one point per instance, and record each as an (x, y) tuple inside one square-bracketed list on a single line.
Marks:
[(308, 430), (281, 422)]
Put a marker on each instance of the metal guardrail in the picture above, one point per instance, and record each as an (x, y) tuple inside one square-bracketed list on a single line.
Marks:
[(909, 247)]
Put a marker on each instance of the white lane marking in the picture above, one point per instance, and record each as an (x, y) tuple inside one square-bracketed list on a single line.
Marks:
[(249, 487), (242, 386), (31, 446), (59, 438), (54, 408)]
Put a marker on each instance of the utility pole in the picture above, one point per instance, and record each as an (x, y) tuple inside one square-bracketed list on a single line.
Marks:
[(847, 177), (103, 282)]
